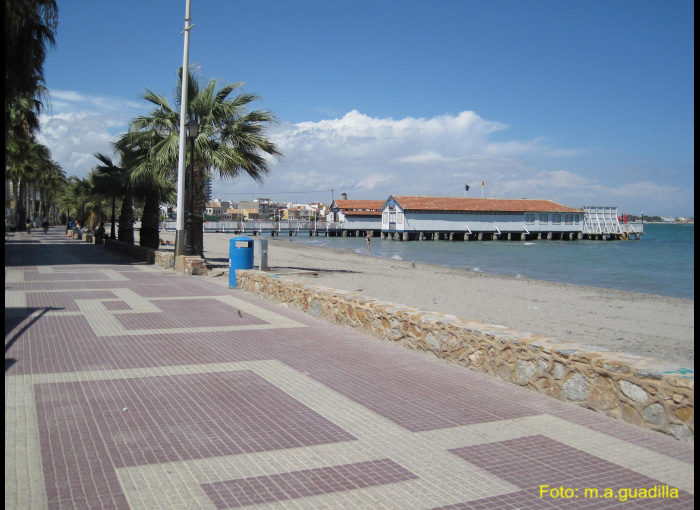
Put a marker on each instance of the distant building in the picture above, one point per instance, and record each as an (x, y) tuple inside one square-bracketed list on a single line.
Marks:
[(208, 185), (217, 209), (416, 216), (356, 214), (214, 210), (300, 212), (265, 208)]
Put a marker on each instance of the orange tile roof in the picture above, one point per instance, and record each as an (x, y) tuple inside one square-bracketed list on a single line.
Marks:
[(362, 213), (481, 204), (372, 205)]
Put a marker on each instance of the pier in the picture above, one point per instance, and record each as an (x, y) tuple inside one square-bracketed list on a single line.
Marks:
[(595, 223)]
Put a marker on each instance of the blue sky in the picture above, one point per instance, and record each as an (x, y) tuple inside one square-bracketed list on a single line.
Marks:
[(580, 102)]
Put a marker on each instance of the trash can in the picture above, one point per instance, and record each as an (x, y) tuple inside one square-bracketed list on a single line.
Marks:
[(263, 255), (240, 256)]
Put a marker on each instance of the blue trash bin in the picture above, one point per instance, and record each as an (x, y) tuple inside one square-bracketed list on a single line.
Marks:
[(240, 256)]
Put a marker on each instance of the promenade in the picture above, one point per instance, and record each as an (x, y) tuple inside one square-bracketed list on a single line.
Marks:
[(132, 386)]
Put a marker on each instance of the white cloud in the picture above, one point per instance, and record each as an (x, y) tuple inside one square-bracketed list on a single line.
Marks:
[(427, 157), (80, 125), (371, 157), (373, 180)]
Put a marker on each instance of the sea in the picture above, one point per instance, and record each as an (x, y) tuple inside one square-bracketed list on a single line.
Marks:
[(662, 262)]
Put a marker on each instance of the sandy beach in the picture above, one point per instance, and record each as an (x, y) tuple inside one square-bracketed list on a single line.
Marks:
[(645, 325)]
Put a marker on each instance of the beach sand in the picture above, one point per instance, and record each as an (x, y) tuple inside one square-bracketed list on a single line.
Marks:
[(645, 325)]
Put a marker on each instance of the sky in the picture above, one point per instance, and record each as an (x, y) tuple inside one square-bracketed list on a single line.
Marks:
[(580, 102)]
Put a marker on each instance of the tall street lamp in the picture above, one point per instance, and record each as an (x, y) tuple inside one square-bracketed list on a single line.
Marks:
[(192, 128)]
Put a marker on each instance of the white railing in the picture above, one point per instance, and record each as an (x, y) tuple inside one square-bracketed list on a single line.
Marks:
[(257, 226), (632, 228)]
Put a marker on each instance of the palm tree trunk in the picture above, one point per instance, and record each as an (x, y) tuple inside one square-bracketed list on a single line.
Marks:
[(126, 219), (199, 208), (20, 211), (150, 221)]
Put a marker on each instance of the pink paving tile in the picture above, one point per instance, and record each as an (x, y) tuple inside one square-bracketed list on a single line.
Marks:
[(65, 301), (444, 398), (532, 461), (188, 313), (305, 483), (64, 276), (89, 428), (116, 305)]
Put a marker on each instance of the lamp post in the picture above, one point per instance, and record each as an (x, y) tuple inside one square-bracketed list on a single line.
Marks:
[(192, 131), (642, 217)]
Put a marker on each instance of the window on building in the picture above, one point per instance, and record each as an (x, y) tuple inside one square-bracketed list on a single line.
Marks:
[(569, 219), (399, 218), (556, 219), (530, 219), (576, 219), (544, 218), (385, 217)]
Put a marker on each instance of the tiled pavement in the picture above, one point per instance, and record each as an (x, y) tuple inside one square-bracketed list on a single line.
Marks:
[(129, 386)]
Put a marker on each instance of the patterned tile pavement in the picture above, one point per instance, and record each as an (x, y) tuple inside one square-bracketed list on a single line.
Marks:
[(129, 386)]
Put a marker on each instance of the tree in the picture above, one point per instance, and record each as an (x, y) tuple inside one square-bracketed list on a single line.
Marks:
[(30, 27), (148, 183), (50, 182), (231, 140), (114, 182), (27, 163)]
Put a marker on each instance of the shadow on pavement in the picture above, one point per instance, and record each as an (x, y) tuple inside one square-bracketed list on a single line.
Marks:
[(13, 318), (56, 250)]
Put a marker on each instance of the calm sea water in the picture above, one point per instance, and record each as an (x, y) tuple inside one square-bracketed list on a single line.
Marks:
[(662, 262)]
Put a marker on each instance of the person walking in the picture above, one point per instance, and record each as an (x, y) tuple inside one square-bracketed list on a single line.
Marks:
[(45, 224), (368, 239)]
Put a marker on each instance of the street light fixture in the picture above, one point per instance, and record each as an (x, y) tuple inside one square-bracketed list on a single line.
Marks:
[(192, 128)]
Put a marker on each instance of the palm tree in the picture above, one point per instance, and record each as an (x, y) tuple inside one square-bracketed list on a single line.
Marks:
[(147, 183), (26, 162), (113, 182), (49, 183), (80, 197), (231, 140), (30, 27)]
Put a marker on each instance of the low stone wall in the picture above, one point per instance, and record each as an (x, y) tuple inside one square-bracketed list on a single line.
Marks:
[(191, 265), (165, 259), (645, 392)]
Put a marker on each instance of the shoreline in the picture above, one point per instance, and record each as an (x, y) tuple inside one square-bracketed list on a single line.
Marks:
[(646, 325)]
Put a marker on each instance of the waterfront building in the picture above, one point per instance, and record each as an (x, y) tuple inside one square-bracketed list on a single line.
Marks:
[(356, 215), (417, 217)]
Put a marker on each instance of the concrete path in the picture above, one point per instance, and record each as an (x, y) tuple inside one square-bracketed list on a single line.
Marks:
[(129, 386)]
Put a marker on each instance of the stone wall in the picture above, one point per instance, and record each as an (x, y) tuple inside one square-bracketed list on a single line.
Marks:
[(191, 265), (645, 392), (165, 259)]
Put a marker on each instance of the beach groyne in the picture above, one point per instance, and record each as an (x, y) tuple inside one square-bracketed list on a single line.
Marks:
[(648, 393)]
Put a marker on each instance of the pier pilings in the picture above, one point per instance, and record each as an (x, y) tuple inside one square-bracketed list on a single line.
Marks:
[(485, 236)]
